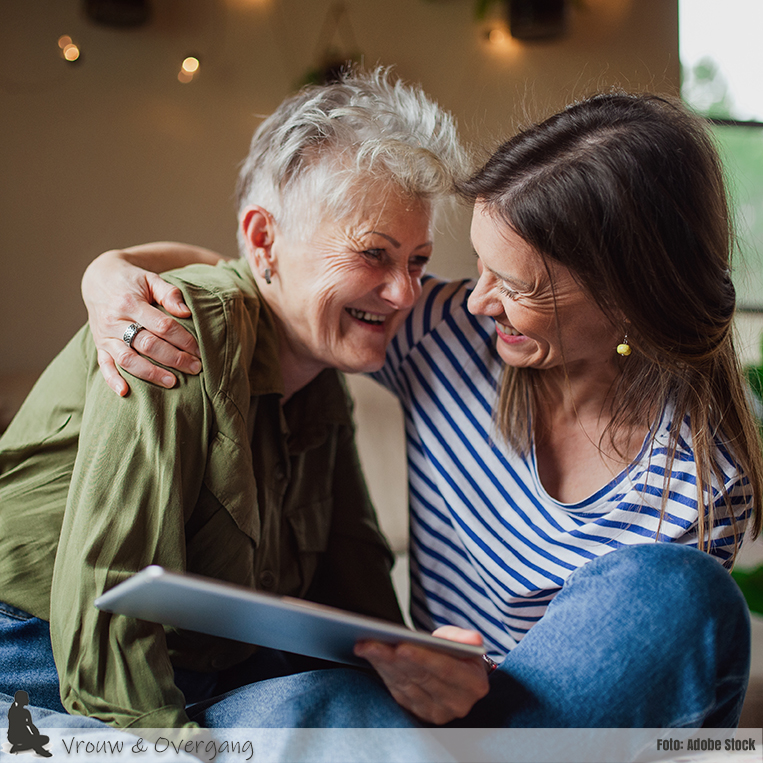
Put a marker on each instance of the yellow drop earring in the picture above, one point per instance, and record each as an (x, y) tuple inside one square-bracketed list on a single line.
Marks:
[(624, 349)]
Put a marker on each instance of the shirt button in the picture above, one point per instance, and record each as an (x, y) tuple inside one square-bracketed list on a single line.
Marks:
[(267, 579), (279, 473)]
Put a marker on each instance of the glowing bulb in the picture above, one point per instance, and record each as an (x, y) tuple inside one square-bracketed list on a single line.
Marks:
[(496, 36), (64, 40), (190, 65), (71, 52)]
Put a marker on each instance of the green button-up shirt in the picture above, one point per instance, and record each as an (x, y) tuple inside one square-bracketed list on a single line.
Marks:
[(214, 476)]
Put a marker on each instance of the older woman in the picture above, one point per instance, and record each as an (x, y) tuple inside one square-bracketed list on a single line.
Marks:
[(246, 472), (580, 436)]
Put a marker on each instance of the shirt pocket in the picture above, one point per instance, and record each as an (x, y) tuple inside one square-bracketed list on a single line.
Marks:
[(311, 526)]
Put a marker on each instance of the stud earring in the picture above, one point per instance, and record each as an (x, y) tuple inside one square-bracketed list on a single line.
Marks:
[(267, 276), (624, 349)]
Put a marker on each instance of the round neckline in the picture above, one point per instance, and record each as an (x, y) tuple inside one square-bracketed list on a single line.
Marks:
[(597, 496)]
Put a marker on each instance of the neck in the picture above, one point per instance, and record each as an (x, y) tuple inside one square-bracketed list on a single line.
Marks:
[(581, 392), (297, 368), (575, 455), (296, 374)]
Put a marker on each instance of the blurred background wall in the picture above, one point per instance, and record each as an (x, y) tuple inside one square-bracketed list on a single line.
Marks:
[(113, 150)]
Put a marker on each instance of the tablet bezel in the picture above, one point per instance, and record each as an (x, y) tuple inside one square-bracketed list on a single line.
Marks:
[(205, 605)]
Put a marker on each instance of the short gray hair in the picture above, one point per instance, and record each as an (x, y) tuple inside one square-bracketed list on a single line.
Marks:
[(307, 158)]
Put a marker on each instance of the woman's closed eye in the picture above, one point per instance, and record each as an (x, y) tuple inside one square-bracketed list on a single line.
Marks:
[(418, 263), (373, 254), (510, 293)]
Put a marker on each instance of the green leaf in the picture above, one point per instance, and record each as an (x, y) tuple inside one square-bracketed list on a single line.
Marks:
[(481, 8), (751, 585)]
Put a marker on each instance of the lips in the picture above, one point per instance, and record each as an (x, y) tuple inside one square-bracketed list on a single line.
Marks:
[(373, 319)]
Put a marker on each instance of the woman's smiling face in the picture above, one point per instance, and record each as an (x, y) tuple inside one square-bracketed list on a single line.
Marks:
[(341, 295), (544, 319)]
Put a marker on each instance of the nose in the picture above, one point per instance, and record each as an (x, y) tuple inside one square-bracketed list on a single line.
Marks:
[(401, 289), (480, 302)]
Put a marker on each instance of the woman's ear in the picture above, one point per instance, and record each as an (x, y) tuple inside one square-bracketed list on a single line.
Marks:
[(259, 231)]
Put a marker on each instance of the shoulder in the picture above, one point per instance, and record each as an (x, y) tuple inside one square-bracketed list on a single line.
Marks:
[(229, 320), (673, 436), (669, 474), (210, 288), (441, 325)]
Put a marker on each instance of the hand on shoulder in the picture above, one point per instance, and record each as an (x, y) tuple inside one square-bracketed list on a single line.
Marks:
[(121, 290)]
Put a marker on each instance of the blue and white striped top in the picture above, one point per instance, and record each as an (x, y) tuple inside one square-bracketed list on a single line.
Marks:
[(489, 547)]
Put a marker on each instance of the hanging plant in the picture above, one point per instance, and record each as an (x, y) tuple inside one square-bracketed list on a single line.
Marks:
[(336, 49), (481, 7), (751, 581)]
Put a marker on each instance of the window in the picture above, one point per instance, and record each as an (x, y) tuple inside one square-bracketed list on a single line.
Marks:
[(721, 63)]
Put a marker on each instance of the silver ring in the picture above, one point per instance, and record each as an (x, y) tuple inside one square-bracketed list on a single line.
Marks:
[(130, 333), (490, 665)]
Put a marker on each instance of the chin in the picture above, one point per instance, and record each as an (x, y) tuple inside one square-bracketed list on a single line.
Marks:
[(366, 368), (361, 365)]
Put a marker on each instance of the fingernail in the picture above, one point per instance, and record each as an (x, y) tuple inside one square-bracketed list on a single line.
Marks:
[(168, 381), (195, 366)]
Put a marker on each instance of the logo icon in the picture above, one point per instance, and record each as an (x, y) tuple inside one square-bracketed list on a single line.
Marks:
[(23, 735)]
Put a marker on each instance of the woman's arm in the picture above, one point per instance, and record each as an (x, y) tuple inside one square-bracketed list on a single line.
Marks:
[(139, 465), (120, 287)]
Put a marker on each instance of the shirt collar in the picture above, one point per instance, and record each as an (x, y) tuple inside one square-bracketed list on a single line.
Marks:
[(324, 401), (265, 368)]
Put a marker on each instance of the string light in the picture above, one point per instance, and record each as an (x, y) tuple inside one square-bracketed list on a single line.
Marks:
[(496, 36), (188, 69), (499, 41), (69, 50), (190, 65)]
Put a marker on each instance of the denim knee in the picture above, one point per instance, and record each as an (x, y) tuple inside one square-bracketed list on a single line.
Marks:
[(681, 582), (675, 615), (655, 635)]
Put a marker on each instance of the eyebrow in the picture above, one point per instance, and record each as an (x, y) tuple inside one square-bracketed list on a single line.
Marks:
[(393, 241)]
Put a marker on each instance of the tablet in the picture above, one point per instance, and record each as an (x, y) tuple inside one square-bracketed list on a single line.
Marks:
[(222, 609)]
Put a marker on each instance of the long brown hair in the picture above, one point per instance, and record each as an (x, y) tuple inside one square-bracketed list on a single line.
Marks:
[(627, 192)]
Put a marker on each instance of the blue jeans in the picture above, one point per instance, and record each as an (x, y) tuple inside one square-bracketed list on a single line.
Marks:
[(651, 636), (646, 636), (26, 658)]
